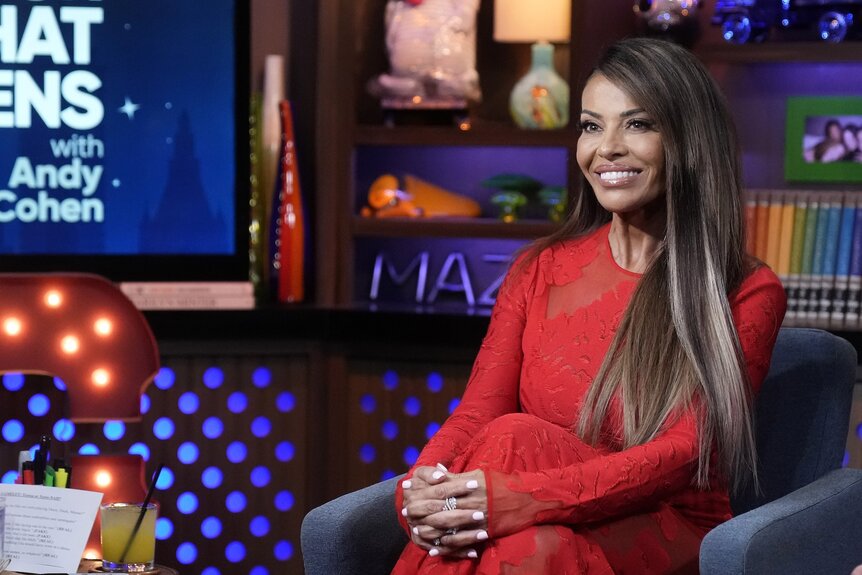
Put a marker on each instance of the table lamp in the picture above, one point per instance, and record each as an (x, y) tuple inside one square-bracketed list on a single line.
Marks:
[(539, 100)]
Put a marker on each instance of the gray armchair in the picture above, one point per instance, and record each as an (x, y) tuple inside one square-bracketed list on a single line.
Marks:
[(807, 519)]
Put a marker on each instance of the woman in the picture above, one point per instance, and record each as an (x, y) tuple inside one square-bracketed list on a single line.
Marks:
[(831, 148), (609, 408)]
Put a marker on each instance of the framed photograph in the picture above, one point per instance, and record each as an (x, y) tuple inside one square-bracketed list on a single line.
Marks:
[(823, 139)]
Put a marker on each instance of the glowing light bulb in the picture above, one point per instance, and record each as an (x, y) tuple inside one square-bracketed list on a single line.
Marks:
[(70, 344), (12, 326), (53, 298), (103, 326), (101, 377), (103, 478)]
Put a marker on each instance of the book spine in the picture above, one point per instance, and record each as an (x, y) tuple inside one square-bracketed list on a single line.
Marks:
[(750, 223), (842, 265), (796, 251), (186, 288), (785, 241), (193, 302), (773, 242), (762, 230), (854, 284), (830, 255), (809, 317)]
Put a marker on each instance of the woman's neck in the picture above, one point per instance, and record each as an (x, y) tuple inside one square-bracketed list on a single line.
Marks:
[(634, 244)]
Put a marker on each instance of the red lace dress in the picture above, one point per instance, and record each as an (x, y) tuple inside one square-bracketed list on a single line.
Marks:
[(557, 505)]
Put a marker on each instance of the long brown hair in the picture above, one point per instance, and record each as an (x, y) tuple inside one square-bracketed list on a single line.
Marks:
[(677, 346)]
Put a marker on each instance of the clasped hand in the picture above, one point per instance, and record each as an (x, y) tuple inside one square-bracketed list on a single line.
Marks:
[(440, 524)]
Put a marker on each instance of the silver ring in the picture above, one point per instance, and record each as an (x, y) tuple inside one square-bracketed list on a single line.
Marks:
[(451, 504), (437, 542), (452, 531)]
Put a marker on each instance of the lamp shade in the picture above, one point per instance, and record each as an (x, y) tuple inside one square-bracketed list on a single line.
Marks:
[(532, 20)]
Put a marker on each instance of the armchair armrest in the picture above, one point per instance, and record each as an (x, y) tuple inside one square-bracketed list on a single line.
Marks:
[(356, 534), (815, 529)]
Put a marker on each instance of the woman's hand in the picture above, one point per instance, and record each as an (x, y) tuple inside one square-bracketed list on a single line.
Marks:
[(446, 512)]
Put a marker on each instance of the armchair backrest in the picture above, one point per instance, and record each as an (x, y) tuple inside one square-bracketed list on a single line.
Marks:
[(802, 412)]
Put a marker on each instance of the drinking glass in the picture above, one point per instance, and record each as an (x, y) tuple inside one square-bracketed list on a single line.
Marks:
[(118, 524)]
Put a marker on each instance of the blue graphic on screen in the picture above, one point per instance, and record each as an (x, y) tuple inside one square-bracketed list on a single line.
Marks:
[(117, 127)]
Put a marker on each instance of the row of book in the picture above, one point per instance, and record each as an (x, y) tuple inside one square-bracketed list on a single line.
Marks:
[(190, 295), (813, 242)]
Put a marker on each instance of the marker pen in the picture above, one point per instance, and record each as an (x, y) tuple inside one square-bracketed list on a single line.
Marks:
[(27, 473), (61, 478), (22, 457), (49, 476)]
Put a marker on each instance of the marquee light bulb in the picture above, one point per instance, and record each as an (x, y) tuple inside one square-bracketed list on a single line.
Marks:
[(103, 478), (101, 377), (70, 344), (12, 326), (53, 298), (103, 326)]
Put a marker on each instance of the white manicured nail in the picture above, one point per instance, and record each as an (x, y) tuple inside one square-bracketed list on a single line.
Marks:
[(472, 554), (404, 512), (437, 475), (434, 552), (415, 531), (442, 467), (482, 535), (478, 516), (472, 484), (406, 484)]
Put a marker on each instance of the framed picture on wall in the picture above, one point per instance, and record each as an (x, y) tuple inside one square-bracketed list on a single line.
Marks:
[(823, 139)]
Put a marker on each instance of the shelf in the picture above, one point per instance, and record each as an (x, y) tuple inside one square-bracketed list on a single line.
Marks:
[(481, 134), (450, 227), (777, 52)]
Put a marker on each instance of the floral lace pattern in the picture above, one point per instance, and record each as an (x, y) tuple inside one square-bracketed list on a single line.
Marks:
[(556, 504)]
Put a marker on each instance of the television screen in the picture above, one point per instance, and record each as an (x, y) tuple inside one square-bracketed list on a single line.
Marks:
[(123, 137)]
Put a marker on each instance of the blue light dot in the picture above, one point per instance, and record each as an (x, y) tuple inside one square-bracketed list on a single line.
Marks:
[(39, 404), (390, 380), (213, 378), (367, 403), (259, 526), (261, 377), (188, 402), (164, 528), (367, 453), (236, 452), (261, 426), (284, 500), (285, 451), (163, 428), (64, 430), (283, 550), (260, 476), (388, 474), (259, 570), (213, 427), (13, 381), (453, 405), (145, 403), (390, 430), (411, 454), (285, 402), (859, 431), (235, 502), (165, 378), (234, 552), (89, 449), (210, 571), (13, 431), (237, 402), (166, 479), (140, 449), (188, 453), (412, 406), (431, 429), (114, 430), (211, 527), (9, 477), (435, 382), (187, 502), (187, 553), (212, 477), (59, 384)]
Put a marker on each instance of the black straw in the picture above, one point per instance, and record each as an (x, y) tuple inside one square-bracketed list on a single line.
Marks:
[(143, 512)]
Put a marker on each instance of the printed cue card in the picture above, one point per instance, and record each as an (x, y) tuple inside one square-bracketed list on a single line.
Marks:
[(47, 527)]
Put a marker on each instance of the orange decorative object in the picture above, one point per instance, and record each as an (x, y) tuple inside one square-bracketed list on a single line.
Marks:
[(289, 255), (119, 477), (84, 330), (415, 197)]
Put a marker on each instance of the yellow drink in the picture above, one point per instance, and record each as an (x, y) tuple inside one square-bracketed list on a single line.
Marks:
[(118, 522)]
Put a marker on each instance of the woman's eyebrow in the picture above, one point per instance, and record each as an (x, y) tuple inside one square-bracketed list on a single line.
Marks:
[(625, 114)]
